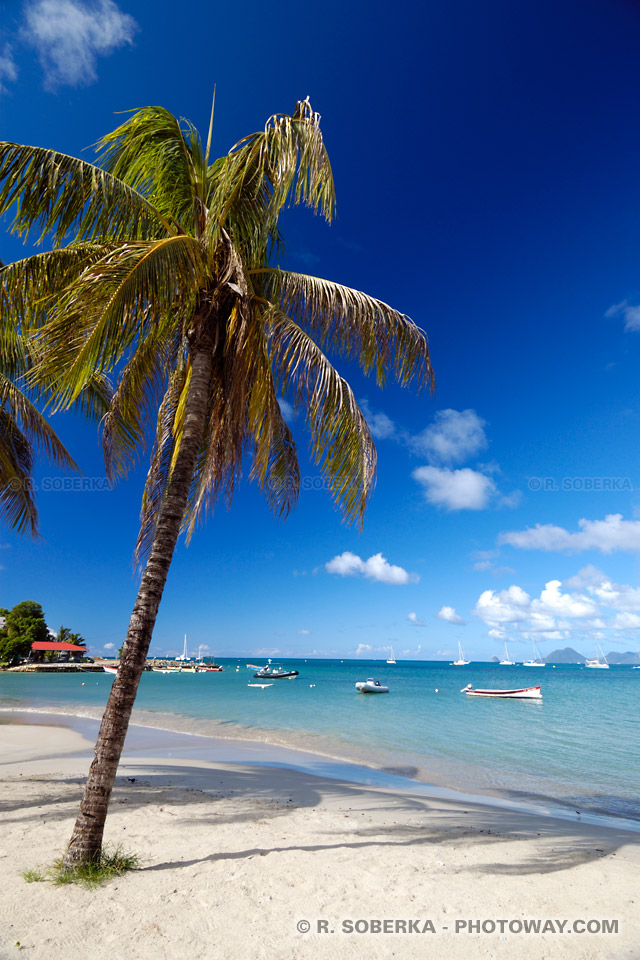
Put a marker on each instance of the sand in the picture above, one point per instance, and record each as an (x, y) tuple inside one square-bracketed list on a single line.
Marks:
[(238, 860)]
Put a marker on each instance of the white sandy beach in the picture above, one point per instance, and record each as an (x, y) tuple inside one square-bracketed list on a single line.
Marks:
[(235, 857)]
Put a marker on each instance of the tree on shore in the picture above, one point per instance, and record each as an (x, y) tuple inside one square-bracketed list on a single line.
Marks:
[(24, 625), (170, 279)]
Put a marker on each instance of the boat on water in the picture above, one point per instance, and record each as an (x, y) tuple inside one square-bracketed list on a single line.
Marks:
[(537, 660), (599, 662), (392, 657), (112, 670), (203, 667), (524, 693), (506, 662), (275, 671), (460, 662), (371, 686)]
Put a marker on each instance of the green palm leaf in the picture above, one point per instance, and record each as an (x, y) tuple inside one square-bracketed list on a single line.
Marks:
[(58, 195)]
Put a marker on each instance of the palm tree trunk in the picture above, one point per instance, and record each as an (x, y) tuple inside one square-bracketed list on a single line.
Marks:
[(86, 841)]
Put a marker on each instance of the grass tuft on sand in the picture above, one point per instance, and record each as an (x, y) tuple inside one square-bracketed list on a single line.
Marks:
[(112, 863)]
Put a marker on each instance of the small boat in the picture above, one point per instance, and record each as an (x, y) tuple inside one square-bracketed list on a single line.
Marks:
[(392, 658), (537, 660), (275, 671), (263, 686), (597, 663), (112, 670), (460, 662), (525, 693), (506, 662), (213, 667), (371, 686)]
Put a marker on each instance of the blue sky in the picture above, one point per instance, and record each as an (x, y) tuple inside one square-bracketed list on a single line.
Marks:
[(486, 164)]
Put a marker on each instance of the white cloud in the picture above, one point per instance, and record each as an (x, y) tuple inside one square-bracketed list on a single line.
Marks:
[(453, 437), (449, 614), (69, 35), (8, 69), (463, 489), (612, 533), (286, 408), (630, 313), (567, 615), (363, 648), (375, 568), (109, 646), (415, 620), (626, 621), (572, 605), (304, 633), (504, 606), (382, 427)]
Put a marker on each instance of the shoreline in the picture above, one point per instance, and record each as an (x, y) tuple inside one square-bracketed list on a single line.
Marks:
[(158, 742), (246, 858)]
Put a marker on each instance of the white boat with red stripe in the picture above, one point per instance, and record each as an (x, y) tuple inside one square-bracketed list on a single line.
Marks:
[(524, 693)]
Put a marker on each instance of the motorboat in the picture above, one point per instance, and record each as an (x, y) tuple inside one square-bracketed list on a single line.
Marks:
[(460, 662), (275, 671), (213, 667), (112, 670), (524, 693), (371, 686), (599, 662), (506, 662)]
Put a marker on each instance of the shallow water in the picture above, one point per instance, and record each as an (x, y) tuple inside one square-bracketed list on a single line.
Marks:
[(579, 745)]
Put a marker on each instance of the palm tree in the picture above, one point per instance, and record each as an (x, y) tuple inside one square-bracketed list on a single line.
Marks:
[(170, 280)]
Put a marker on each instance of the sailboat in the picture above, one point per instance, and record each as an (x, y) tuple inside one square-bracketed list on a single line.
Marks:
[(392, 658), (185, 664), (537, 660), (460, 662), (184, 652), (506, 662), (597, 663)]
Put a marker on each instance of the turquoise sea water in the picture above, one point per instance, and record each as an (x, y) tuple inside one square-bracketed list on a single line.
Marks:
[(579, 746)]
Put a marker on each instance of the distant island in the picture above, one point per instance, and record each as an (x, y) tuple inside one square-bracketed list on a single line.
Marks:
[(569, 655)]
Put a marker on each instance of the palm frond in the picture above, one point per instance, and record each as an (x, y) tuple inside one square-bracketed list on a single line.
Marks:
[(33, 425), (58, 194), (135, 402), (354, 325), (285, 163), (154, 154), (160, 466), (244, 417), (117, 301), (30, 288), (341, 442), (17, 503)]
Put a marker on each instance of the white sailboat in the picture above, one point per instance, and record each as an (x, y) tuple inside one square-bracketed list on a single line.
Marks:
[(392, 657), (184, 652), (537, 659), (460, 662), (506, 662), (597, 663)]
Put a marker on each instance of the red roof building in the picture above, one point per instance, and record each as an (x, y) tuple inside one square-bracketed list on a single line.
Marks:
[(56, 645)]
